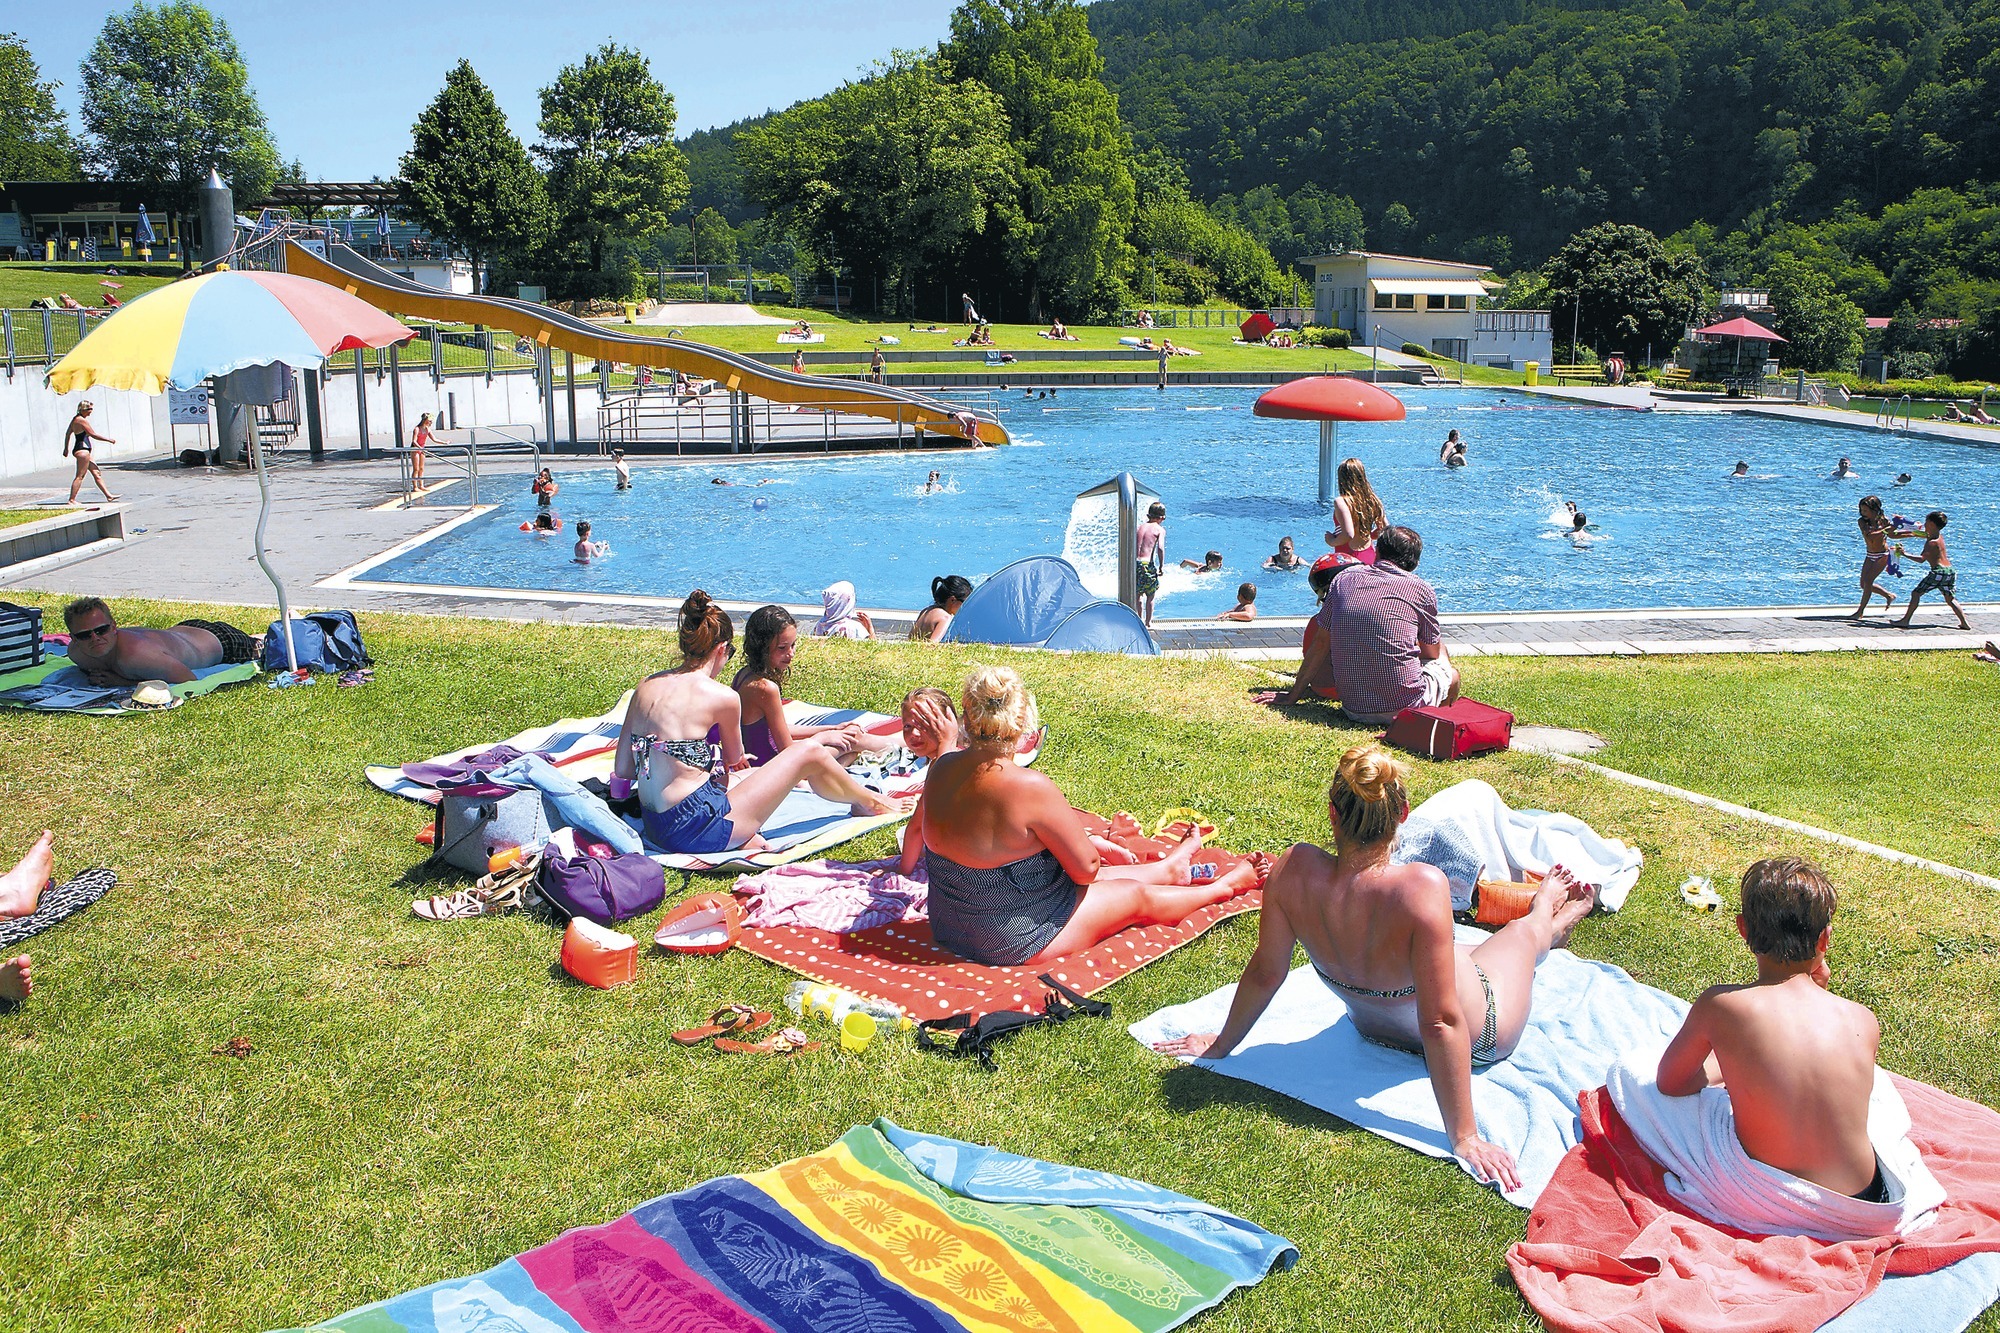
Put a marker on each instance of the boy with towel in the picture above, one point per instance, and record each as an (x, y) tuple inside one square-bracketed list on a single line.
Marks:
[(1767, 1109)]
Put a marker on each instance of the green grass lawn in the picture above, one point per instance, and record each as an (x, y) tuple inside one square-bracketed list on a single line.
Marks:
[(423, 1100), (14, 518), (22, 283)]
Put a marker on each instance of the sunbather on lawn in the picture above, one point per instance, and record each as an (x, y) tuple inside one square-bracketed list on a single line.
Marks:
[(1013, 876), (1380, 937), (111, 655), (770, 643), (1799, 1061), (687, 803)]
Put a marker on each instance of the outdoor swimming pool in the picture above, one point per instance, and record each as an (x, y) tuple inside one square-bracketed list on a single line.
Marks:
[(1669, 529)]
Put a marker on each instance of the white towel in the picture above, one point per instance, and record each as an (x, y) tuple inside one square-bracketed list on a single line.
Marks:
[(1468, 832), (1694, 1141)]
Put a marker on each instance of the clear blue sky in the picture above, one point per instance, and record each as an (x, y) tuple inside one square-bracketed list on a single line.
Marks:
[(341, 83)]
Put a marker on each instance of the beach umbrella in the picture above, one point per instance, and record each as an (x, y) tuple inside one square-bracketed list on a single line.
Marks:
[(1742, 330), (1257, 327), (1329, 400), (177, 336), (143, 233)]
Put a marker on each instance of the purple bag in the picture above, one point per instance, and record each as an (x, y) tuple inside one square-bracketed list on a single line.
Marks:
[(602, 888)]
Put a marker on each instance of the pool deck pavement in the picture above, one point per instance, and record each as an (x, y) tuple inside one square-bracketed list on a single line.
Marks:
[(190, 539)]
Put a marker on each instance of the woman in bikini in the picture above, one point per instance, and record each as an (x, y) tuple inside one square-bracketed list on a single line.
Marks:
[(1380, 937), (1013, 876), (686, 801), (77, 440), (1357, 515), (421, 440), (1875, 533), (948, 593), (770, 645)]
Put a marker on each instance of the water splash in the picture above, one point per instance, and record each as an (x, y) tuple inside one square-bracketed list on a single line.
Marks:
[(1090, 543)]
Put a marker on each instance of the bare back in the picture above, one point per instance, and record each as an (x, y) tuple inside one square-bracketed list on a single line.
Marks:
[(983, 810), (677, 706), (172, 655)]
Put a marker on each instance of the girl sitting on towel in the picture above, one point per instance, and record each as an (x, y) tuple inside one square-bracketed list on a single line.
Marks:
[(770, 644), (1380, 936), (1013, 876), (687, 803)]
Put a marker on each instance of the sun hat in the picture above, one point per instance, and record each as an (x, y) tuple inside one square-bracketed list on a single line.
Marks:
[(151, 694)]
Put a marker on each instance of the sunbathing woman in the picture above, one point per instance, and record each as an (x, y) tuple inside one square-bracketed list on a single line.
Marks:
[(1357, 515), (948, 593), (770, 643), (1380, 937), (686, 802), (1013, 876)]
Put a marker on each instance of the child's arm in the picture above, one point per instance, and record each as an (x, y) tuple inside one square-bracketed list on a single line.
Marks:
[(1688, 1064), (913, 839)]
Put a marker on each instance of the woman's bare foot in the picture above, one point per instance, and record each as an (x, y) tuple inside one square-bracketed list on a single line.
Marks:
[(878, 804), (1180, 861), (1569, 899), (16, 980), (21, 888), (1242, 877), (1113, 854)]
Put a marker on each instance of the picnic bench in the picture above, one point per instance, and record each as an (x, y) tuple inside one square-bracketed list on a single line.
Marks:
[(1587, 374), (1672, 376)]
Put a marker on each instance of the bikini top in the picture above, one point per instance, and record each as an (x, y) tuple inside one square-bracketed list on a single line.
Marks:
[(1403, 994), (694, 754)]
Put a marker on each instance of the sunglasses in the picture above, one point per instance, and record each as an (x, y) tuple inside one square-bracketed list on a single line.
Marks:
[(92, 633)]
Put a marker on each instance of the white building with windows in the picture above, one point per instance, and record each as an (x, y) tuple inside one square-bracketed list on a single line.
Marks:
[(1389, 300)]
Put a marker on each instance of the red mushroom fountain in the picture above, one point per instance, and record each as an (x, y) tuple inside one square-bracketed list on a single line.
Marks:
[(1329, 400)]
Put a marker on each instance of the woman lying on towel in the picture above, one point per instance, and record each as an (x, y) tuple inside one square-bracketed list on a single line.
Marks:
[(1013, 876), (1380, 937), (770, 643), (686, 802)]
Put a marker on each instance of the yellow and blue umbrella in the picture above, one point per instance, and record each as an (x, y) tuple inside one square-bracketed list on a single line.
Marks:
[(176, 336)]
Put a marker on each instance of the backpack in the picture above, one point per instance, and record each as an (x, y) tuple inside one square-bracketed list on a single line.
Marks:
[(602, 889), (326, 641)]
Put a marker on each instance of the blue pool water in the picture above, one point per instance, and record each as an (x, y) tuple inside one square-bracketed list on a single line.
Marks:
[(1669, 529)]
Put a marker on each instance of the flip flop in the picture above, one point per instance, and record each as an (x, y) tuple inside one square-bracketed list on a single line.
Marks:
[(58, 904), (729, 1018), (788, 1041)]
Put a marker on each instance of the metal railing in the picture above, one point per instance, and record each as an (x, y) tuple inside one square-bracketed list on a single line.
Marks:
[(44, 337), (1887, 411), (657, 415), (462, 459)]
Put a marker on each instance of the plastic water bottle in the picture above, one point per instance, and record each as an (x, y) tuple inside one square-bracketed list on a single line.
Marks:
[(816, 999)]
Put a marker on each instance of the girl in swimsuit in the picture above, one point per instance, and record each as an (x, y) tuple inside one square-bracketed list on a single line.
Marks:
[(1380, 936), (1357, 515), (948, 593), (1013, 876), (770, 644), (77, 440), (420, 440), (685, 798), (1876, 530)]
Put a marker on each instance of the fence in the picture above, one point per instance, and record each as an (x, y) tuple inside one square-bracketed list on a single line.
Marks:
[(1211, 317), (719, 421), (43, 337)]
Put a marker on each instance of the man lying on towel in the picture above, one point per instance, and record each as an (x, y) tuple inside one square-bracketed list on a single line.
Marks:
[(111, 655), (1767, 1109)]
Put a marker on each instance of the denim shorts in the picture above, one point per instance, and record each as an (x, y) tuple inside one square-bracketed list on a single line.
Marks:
[(698, 824)]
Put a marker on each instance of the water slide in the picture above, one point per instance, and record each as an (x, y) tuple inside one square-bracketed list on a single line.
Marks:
[(392, 292)]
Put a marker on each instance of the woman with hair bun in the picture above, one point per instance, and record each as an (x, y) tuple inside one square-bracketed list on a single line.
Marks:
[(1013, 876), (770, 644), (948, 593), (686, 802), (1380, 936)]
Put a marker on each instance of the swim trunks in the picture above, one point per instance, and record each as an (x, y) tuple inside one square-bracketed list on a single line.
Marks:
[(1003, 915), (1942, 578), (236, 645), (1149, 578), (698, 823)]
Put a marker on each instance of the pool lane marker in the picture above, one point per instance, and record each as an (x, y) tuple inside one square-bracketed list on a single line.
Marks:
[(1775, 821)]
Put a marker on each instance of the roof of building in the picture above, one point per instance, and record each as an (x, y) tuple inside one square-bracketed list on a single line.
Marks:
[(1406, 259), (125, 196)]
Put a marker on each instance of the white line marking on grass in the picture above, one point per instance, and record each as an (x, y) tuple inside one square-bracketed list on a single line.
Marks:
[(1775, 821)]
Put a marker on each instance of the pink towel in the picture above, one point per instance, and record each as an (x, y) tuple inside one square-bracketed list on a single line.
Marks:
[(836, 896)]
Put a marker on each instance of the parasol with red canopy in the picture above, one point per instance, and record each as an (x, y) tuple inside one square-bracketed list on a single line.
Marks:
[(1740, 329), (1329, 400)]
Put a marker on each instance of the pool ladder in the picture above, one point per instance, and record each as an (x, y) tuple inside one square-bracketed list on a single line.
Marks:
[(1885, 415)]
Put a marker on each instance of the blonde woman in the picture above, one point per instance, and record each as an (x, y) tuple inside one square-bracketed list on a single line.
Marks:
[(1013, 876), (77, 440), (1380, 937), (1357, 515)]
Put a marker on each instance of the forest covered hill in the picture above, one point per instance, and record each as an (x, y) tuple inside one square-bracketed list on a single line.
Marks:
[(1497, 128)]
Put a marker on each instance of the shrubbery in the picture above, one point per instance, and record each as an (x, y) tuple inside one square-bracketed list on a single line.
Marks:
[(1418, 349), (1314, 335)]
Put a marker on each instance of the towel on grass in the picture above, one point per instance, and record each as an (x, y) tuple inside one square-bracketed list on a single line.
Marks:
[(1584, 1016), (1469, 833), (1693, 1140), (834, 896), (1608, 1245), (57, 687), (887, 1231)]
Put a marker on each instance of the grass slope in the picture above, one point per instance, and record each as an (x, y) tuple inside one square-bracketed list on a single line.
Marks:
[(423, 1100)]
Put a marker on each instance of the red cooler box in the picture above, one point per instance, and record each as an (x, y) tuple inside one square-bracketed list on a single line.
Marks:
[(1454, 731)]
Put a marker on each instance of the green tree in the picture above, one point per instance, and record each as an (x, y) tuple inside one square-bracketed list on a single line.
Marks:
[(891, 176), (1823, 329), (714, 241), (167, 99), (35, 142), (607, 131), (468, 180), (1622, 289), (1067, 239)]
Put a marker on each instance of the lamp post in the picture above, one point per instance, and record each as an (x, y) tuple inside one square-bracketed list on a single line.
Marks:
[(1374, 352)]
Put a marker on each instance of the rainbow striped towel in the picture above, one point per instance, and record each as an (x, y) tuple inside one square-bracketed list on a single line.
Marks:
[(887, 1231)]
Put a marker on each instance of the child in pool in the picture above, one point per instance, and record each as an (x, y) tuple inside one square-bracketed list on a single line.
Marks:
[(586, 549), (1204, 566), (1287, 557), (1246, 604)]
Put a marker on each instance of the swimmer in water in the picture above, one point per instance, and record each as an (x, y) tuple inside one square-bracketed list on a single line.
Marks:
[(1843, 472), (1902, 479), (1452, 452), (934, 482), (717, 481), (1742, 470), (1212, 562), (586, 549)]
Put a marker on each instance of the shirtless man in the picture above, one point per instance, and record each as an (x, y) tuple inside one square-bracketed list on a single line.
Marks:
[(110, 655), (1799, 1061)]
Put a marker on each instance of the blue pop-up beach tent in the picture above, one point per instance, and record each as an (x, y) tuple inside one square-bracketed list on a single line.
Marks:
[(1040, 602)]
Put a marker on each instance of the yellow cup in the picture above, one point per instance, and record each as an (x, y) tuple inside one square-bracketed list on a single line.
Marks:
[(856, 1031)]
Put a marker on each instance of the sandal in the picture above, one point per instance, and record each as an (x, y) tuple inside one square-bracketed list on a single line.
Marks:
[(786, 1042), (472, 902), (729, 1018)]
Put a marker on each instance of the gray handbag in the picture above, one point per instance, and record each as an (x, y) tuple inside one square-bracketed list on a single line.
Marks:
[(474, 823)]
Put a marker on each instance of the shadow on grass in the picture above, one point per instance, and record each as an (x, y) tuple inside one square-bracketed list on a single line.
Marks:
[(1188, 1088)]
